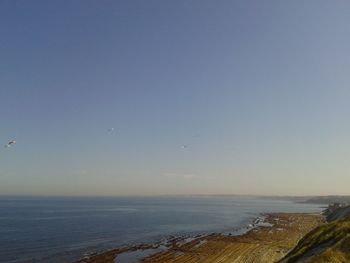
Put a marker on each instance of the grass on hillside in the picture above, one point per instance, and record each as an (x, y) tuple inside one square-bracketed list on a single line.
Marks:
[(327, 243)]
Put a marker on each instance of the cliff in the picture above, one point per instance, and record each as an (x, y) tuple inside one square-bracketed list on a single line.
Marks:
[(329, 242)]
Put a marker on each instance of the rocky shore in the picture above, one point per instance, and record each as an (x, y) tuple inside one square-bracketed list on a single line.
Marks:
[(268, 239)]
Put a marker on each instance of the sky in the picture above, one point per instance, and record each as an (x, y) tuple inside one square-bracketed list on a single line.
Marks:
[(205, 97)]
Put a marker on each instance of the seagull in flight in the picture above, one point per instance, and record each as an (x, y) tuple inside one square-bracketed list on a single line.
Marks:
[(10, 143)]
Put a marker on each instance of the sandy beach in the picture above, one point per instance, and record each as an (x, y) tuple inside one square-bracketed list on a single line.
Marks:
[(266, 241)]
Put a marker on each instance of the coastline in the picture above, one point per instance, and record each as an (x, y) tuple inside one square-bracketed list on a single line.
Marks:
[(267, 239)]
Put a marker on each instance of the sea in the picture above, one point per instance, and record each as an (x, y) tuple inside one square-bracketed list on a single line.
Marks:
[(61, 229)]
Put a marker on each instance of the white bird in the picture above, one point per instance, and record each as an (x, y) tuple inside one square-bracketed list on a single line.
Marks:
[(110, 129), (10, 143), (184, 146)]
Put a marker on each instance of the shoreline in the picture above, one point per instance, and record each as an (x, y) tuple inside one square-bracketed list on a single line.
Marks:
[(170, 242), (269, 236)]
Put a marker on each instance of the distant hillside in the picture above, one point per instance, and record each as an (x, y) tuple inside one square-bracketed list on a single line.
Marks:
[(340, 213), (323, 200), (327, 243), (330, 199)]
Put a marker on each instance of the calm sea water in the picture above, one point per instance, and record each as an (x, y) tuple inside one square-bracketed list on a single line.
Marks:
[(62, 229)]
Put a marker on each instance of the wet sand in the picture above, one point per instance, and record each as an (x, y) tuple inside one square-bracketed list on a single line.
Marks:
[(266, 243)]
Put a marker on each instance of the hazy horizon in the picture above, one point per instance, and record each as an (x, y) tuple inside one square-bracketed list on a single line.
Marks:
[(276, 197), (125, 98)]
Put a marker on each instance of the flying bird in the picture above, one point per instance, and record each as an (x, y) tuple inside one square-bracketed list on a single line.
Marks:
[(9, 144), (110, 129), (184, 146)]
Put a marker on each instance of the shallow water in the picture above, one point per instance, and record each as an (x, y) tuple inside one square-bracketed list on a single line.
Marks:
[(63, 229)]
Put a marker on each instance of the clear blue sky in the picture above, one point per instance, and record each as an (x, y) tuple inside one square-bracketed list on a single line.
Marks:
[(259, 91)]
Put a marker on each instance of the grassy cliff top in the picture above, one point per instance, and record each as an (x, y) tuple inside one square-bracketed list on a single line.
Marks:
[(329, 242)]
